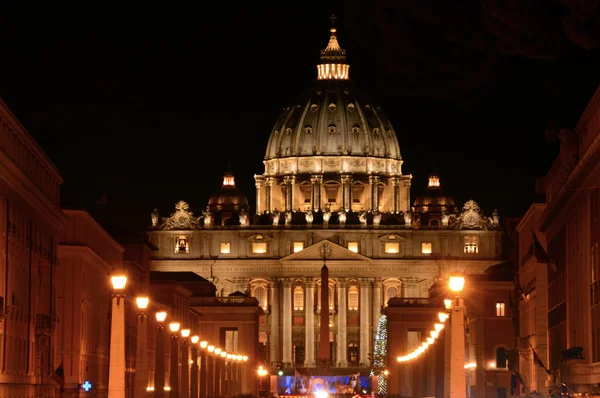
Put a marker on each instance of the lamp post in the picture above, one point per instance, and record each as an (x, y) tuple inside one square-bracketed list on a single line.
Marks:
[(210, 385), (457, 339), (203, 368), (141, 355), (185, 363), (262, 372), (244, 376), (174, 371), (194, 373), (218, 373), (159, 356), (116, 370)]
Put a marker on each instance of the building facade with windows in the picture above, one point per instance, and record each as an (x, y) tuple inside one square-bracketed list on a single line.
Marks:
[(31, 220), (333, 191), (560, 264)]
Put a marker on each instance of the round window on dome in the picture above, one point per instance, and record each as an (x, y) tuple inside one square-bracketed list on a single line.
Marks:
[(314, 107), (308, 130), (331, 129), (351, 107), (331, 107)]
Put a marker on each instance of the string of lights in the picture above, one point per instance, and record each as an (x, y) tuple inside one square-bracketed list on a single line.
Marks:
[(433, 335)]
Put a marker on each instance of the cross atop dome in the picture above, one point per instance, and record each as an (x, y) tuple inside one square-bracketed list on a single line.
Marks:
[(333, 58)]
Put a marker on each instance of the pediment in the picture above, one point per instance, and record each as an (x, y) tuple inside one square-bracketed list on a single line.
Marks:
[(334, 252), (391, 238), (259, 238)]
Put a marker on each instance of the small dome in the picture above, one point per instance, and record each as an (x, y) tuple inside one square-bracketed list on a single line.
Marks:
[(435, 199), (229, 198)]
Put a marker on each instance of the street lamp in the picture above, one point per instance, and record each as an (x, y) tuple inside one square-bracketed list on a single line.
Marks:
[(457, 339), (262, 372), (194, 376), (159, 358), (185, 363), (141, 362), (203, 368), (211, 371), (116, 370), (174, 371)]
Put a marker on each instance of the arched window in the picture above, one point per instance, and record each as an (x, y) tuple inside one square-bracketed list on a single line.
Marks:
[(501, 357), (260, 293), (390, 292), (353, 298), (298, 298)]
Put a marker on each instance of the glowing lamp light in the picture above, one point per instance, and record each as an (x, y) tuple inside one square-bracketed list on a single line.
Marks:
[(185, 332), (217, 351), (204, 344), (118, 281), (211, 348), (430, 340), (228, 356), (223, 354), (386, 372), (161, 316), (435, 334), (174, 326), (195, 339), (448, 304), (149, 388), (438, 327), (245, 358), (456, 283), (261, 371), (471, 365), (239, 357), (492, 364), (167, 388), (443, 316), (142, 302)]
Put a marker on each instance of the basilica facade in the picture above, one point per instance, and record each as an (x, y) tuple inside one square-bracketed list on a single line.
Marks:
[(332, 192)]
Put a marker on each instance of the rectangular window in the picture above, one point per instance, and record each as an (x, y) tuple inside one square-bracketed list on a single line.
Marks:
[(225, 247), (500, 309), (471, 246), (298, 246), (259, 247), (353, 247), (392, 247), (426, 247)]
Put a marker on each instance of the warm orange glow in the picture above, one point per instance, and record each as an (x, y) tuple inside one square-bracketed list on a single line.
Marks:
[(245, 358), (174, 326), (353, 247), (229, 180), (261, 371), (119, 281), (161, 316), (195, 339), (217, 351), (457, 283), (333, 71), (443, 316), (185, 332), (434, 181), (223, 354), (142, 302), (204, 344), (211, 348)]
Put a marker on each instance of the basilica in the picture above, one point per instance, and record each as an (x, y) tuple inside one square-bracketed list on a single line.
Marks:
[(332, 192)]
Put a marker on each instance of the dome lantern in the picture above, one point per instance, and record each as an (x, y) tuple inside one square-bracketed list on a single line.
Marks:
[(333, 64)]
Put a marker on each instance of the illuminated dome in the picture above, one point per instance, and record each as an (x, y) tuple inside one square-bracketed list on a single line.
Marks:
[(229, 198), (333, 118), (333, 149)]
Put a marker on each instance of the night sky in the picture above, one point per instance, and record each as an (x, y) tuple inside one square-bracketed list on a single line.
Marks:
[(149, 105)]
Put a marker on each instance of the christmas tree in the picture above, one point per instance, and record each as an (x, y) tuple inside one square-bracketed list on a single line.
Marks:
[(380, 355)]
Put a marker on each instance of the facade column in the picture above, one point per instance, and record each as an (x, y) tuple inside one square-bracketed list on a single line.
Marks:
[(377, 283), (185, 368), (365, 340), (316, 181), (274, 345), (342, 344), (116, 370), (287, 322), (396, 185), (346, 191), (259, 182), (141, 365), (289, 182), (407, 189), (194, 370), (374, 182), (268, 192), (174, 368), (309, 314)]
